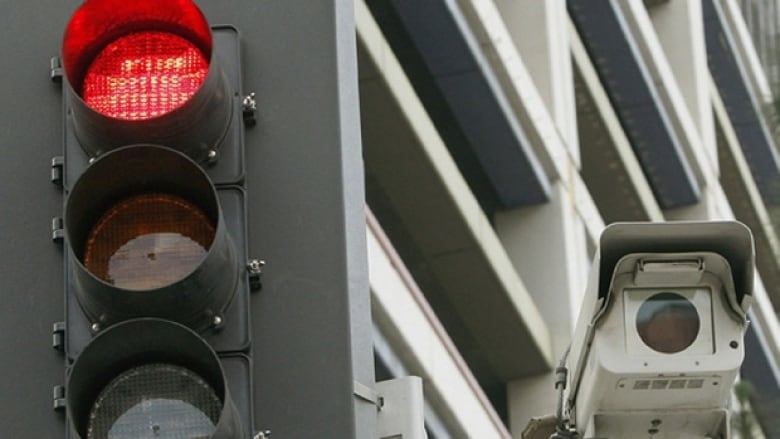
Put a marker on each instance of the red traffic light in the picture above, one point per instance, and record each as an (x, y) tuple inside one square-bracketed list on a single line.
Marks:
[(143, 72), (157, 292), (144, 75), (126, 46)]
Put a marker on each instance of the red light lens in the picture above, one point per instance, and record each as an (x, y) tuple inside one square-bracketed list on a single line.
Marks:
[(136, 60), (144, 75)]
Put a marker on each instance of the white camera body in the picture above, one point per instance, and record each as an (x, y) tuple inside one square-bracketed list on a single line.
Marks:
[(659, 341)]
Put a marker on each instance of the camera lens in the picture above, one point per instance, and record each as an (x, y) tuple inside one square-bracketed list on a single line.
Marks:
[(668, 322)]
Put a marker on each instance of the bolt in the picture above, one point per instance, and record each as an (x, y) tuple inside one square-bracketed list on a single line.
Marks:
[(255, 266), (217, 321), (248, 109), (211, 155), (265, 434), (249, 103), (95, 327), (92, 160), (734, 344)]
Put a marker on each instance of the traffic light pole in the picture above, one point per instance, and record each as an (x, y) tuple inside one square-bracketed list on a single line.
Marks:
[(311, 321), (311, 325)]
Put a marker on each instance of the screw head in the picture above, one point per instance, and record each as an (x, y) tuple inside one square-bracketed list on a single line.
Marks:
[(249, 103), (255, 266), (95, 327), (217, 321)]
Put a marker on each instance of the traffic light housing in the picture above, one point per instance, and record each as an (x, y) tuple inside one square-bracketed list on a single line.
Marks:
[(303, 192), (157, 317), (147, 72)]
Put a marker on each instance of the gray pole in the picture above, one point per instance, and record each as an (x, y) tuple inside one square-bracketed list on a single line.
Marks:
[(311, 322)]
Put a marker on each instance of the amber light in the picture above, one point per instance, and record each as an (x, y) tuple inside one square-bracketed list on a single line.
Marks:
[(148, 241), (144, 75)]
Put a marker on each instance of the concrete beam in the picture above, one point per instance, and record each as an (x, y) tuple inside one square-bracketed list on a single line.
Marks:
[(436, 224)]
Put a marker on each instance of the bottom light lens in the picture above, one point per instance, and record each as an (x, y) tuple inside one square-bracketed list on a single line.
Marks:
[(155, 401)]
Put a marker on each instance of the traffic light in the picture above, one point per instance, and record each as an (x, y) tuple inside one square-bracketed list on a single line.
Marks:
[(157, 332)]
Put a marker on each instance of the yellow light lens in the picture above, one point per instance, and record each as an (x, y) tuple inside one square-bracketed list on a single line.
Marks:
[(148, 241)]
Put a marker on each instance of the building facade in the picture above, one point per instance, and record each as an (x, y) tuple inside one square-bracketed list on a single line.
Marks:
[(501, 136)]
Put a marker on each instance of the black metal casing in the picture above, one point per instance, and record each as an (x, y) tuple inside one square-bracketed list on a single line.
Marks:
[(103, 163)]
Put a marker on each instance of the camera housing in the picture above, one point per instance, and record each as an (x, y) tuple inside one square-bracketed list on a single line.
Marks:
[(659, 341)]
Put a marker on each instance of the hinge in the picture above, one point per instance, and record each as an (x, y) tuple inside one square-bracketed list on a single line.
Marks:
[(58, 336), (58, 396), (57, 230), (55, 69), (57, 164)]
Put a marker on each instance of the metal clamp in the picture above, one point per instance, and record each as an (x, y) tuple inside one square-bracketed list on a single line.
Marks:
[(255, 269), (368, 394), (248, 109)]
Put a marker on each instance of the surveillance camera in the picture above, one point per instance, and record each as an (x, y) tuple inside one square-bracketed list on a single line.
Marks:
[(659, 341)]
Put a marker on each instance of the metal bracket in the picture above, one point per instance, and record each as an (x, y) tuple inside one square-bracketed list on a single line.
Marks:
[(402, 413), (55, 69), (57, 164), (58, 336), (57, 229), (366, 393), (58, 397), (255, 269), (248, 109)]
